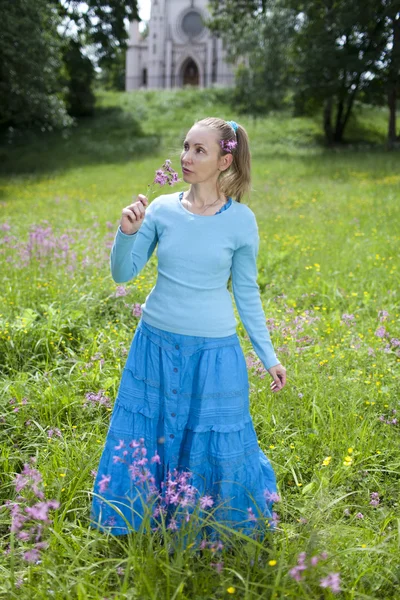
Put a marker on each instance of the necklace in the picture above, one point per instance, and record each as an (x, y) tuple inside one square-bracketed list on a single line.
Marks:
[(207, 205)]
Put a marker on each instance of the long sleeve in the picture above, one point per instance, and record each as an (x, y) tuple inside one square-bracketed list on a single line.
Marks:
[(247, 297), (130, 252)]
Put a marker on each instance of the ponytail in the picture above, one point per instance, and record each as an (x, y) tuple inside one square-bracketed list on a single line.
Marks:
[(236, 180)]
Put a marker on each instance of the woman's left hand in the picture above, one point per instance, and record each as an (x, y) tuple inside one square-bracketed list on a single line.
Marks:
[(278, 374)]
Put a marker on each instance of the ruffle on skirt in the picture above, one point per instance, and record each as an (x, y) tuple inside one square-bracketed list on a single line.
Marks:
[(187, 399)]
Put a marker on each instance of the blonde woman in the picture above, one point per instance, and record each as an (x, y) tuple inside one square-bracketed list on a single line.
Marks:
[(182, 406)]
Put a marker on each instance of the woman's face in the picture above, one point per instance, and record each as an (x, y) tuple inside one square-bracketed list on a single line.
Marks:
[(201, 158)]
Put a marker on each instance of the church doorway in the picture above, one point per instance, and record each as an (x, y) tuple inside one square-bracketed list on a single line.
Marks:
[(190, 73)]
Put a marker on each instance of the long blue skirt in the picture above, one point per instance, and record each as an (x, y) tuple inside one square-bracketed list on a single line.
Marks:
[(182, 408)]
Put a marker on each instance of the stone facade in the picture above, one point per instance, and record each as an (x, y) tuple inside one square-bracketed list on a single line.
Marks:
[(178, 50)]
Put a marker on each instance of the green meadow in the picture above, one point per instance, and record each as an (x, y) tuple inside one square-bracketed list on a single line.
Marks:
[(329, 282)]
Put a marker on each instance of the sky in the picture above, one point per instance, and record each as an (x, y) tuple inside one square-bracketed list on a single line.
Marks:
[(144, 9)]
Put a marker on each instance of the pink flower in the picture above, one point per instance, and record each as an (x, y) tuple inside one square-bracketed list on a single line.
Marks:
[(381, 332), (228, 145), (121, 291), (155, 459), (271, 496), (331, 581), (251, 516), (206, 501), (31, 555), (103, 484), (173, 526)]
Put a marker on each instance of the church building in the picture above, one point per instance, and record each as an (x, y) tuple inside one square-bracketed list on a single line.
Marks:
[(178, 49)]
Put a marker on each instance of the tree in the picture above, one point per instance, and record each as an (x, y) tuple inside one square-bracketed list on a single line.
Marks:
[(336, 50), (99, 23), (79, 72), (42, 66), (30, 60)]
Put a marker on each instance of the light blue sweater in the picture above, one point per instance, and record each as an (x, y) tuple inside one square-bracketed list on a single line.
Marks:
[(196, 255)]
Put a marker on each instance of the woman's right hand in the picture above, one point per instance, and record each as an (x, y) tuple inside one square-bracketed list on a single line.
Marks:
[(133, 215)]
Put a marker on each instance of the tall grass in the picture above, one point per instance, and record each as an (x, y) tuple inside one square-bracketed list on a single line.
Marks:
[(328, 275)]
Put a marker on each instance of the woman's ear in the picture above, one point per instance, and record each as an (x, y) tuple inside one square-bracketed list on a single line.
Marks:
[(225, 162)]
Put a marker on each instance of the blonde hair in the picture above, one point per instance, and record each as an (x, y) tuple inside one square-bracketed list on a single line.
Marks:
[(236, 180)]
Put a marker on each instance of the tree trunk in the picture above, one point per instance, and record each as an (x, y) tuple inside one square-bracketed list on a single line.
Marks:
[(338, 136), (328, 120), (394, 82)]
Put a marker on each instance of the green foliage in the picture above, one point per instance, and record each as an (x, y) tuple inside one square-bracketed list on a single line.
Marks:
[(112, 76), (45, 79), (322, 55), (328, 247), (80, 73), (30, 59)]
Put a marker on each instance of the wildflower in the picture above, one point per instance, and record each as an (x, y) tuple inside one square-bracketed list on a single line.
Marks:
[(383, 315), (218, 567), (348, 319), (206, 501), (272, 563), (155, 459), (331, 581), (359, 515), (137, 309), (374, 499), (173, 526), (228, 145), (103, 484), (326, 461), (31, 555), (250, 515), (121, 291), (347, 461), (381, 332), (296, 572), (271, 496), (231, 590), (164, 175)]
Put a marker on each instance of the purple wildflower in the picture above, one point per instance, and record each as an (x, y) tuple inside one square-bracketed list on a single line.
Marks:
[(250, 515), (374, 499), (104, 482), (383, 315), (331, 581), (228, 145), (121, 291), (348, 319), (359, 515), (381, 332), (271, 496), (206, 501), (31, 555)]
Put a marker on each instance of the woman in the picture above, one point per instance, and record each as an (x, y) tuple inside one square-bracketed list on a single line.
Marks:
[(183, 400)]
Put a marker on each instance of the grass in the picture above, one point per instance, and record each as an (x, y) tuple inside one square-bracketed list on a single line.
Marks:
[(328, 223)]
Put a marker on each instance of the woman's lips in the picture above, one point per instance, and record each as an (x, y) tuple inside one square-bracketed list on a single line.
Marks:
[(186, 170)]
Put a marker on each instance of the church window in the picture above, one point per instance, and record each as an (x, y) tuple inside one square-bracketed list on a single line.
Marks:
[(192, 23)]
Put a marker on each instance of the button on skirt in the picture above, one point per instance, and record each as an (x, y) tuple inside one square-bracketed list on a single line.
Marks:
[(185, 399)]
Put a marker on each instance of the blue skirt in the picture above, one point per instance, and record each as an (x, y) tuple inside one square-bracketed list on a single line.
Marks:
[(183, 407)]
